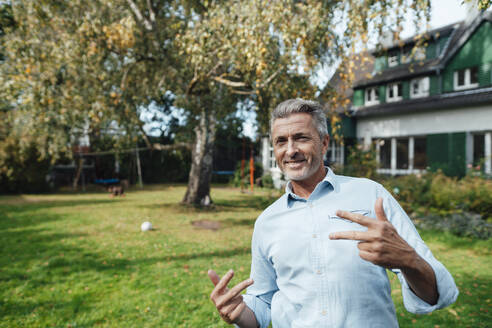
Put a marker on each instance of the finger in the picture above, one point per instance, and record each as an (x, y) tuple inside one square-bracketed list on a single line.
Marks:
[(364, 246), (227, 311), (354, 217), (214, 277), (226, 304), (237, 311), (350, 235), (378, 208), (222, 284), (236, 290)]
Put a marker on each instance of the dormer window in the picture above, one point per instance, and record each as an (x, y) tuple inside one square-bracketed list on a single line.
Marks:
[(372, 96), (393, 60), (394, 92), (466, 78), (419, 53), (419, 87)]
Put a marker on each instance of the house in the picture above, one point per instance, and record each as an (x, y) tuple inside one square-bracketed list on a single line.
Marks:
[(426, 107)]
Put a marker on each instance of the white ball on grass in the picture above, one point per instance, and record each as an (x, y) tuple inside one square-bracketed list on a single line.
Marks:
[(146, 226)]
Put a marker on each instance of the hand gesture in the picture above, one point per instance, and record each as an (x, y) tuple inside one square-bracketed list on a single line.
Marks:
[(380, 244), (228, 302)]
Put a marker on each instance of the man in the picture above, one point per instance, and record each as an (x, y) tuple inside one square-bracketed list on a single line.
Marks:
[(320, 252)]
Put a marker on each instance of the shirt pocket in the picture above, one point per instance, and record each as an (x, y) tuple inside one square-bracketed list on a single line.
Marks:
[(337, 219)]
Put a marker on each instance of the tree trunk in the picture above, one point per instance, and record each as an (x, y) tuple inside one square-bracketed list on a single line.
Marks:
[(198, 191), (80, 167)]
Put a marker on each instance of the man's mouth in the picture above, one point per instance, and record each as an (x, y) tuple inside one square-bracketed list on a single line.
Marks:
[(295, 163)]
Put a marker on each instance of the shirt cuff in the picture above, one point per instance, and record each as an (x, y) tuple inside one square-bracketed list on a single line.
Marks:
[(259, 308), (446, 289)]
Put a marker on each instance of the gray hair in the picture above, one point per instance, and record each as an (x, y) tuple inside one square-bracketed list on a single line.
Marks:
[(292, 106)]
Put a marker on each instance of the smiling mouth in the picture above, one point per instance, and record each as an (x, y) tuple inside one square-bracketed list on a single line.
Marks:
[(294, 163)]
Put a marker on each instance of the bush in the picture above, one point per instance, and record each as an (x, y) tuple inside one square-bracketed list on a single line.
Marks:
[(267, 181), (360, 163), (462, 224), (22, 172), (435, 193)]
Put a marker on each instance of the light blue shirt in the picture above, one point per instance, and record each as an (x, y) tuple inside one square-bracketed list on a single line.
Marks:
[(304, 279)]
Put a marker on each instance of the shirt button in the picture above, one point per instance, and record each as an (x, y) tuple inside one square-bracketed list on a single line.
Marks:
[(314, 235), (323, 312)]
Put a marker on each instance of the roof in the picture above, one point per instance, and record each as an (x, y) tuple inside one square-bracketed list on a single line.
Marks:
[(457, 99), (364, 64), (459, 33)]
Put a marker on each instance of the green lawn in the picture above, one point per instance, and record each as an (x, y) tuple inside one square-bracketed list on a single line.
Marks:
[(80, 260)]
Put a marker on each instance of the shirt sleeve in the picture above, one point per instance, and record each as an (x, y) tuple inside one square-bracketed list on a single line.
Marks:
[(258, 296), (446, 287)]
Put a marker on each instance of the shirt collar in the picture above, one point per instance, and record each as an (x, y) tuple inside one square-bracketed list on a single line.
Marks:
[(330, 178)]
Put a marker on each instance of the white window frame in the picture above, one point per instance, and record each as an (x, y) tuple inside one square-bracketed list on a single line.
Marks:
[(393, 61), (394, 87), (405, 57), (371, 96), (419, 53), (423, 87), (468, 84), (337, 153), (393, 170), (271, 158)]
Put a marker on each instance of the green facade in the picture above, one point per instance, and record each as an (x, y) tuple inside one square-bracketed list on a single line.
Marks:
[(358, 98), (476, 52), (380, 63), (431, 50), (447, 151), (382, 93), (434, 88)]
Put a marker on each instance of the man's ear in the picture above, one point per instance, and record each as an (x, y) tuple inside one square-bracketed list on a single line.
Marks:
[(325, 142)]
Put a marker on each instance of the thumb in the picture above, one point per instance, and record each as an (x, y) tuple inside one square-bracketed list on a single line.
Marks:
[(378, 208), (214, 277)]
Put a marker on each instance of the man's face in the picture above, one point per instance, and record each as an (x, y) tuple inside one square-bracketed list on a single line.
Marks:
[(297, 146)]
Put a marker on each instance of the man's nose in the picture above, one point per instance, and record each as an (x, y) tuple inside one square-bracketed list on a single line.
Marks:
[(291, 148)]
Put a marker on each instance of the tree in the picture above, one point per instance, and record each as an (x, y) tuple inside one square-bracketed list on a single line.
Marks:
[(74, 65)]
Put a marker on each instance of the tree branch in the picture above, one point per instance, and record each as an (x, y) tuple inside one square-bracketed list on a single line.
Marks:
[(229, 83), (151, 12), (241, 92), (264, 84), (177, 145), (138, 14)]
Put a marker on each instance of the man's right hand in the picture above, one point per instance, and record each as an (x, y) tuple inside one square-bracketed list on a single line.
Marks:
[(228, 302)]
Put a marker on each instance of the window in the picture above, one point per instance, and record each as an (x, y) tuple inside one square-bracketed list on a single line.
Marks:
[(478, 149), (393, 60), (402, 153), (372, 96), (419, 53), (393, 92), (385, 153), (419, 87), (406, 56), (335, 153), (466, 78), (419, 153), (273, 162)]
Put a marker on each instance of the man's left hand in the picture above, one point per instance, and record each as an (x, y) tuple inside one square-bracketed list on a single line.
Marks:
[(380, 244)]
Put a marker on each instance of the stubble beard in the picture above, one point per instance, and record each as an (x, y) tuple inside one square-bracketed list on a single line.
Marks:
[(305, 173)]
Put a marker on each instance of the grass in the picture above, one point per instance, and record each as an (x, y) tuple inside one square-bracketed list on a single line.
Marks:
[(80, 260)]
